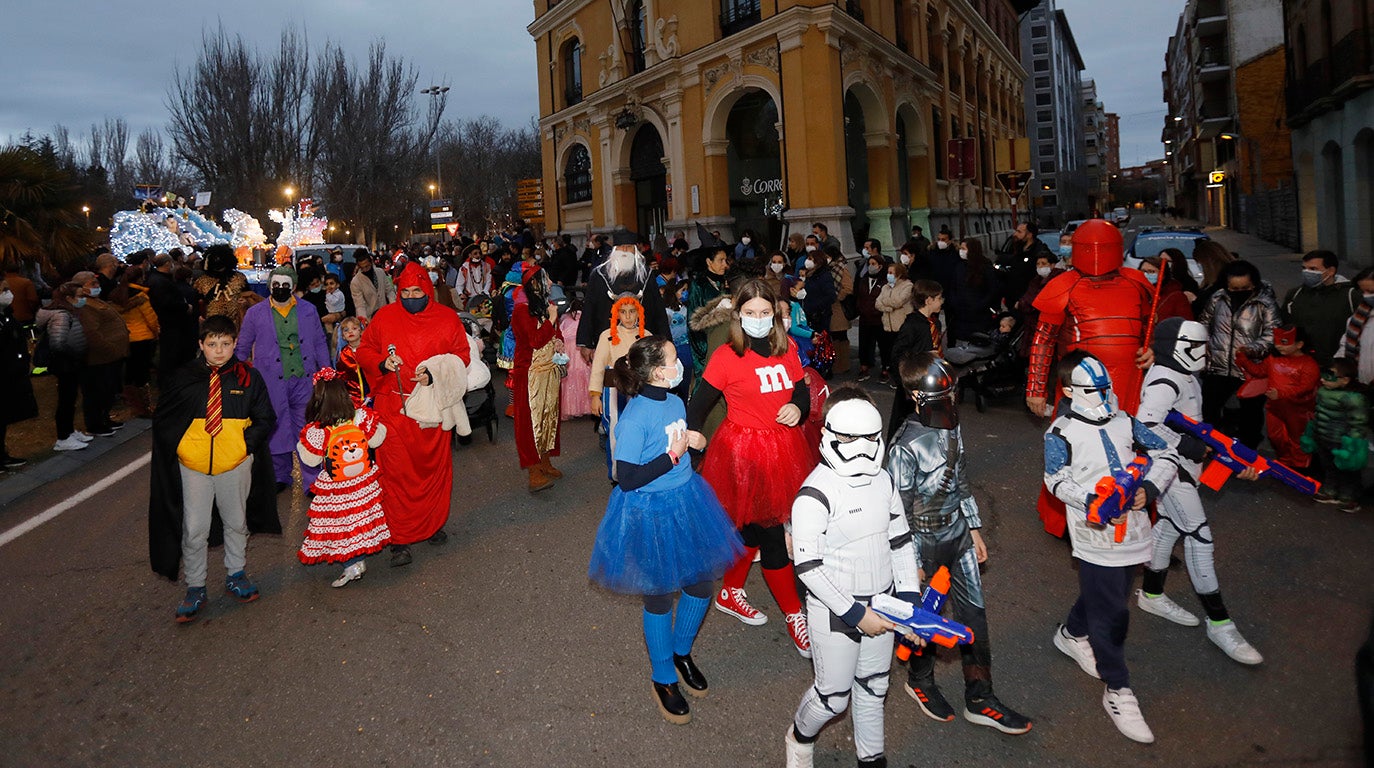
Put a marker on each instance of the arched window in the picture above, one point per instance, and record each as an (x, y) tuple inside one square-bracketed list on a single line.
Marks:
[(577, 176), (639, 33), (572, 72), (903, 30)]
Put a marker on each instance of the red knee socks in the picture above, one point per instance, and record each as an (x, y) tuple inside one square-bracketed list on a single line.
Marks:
[(782, 582)]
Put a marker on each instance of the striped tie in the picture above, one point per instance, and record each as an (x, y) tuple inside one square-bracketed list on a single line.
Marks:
[(214, 405)]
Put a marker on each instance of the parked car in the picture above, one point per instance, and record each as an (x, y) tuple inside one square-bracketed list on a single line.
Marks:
[(1121, 216), (1070, 227), (1151, 240), (1050, 239), (322, 250)]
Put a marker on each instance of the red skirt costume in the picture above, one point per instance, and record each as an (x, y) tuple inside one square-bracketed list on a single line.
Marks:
[(346, 518), (1097, 307), (754, 464), (1295, 378), (417, 487)]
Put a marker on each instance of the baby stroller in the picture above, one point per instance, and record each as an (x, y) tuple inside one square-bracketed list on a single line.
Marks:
[(988, 363), (481, 403)]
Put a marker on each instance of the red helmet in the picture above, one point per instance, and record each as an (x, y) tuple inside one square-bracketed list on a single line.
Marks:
[(1097, 247)]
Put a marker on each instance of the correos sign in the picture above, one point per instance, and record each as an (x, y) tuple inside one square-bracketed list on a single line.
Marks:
[(750, 186)]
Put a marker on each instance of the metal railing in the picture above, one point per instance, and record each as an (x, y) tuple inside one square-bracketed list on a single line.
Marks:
[(854, 8), (738, 16)]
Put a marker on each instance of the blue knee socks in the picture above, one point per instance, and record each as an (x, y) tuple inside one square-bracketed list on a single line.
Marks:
[(691, 611), (658, 635)]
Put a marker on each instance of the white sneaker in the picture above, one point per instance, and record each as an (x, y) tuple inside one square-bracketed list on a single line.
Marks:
[(1165, 608), (350, 573), (799, 755), (1226, 637), (70, 443), (1121, 704), (83, 437), (1076, 648)]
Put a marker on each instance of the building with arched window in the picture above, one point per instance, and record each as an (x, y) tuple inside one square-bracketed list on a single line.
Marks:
[(773, 116)]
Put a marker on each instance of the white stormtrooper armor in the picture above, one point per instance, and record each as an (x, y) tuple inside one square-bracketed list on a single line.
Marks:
[(850, 541)]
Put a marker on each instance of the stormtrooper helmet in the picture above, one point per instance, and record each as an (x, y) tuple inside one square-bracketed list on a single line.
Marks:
[(852, 438), (935, 396), (1090, 391), (1181, 344)]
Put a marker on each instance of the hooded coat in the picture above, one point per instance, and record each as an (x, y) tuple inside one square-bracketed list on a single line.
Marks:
[(417, 463)]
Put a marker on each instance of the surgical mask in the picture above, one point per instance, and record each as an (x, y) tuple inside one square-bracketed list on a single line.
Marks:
[(757, 327), (776, 267), (433, 278), (906, 260), (6, 299), (801, 294), (281, 293), (1065, 251), (810, 248), (891, 279), (1044, 271), (337, 258), (746, 240), (676, 378), (787, 323), (963, 253), (942, 244), (1311, 278), (415, 305), (809, 264), (81, 302), (95, 291), (316, 289), (1153, 277)]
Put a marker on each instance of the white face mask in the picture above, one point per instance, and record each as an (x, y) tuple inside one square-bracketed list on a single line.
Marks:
[(810, 248), (1153, 277), (1043, 271), (745, 240), (963, 253), (906, 260), (787, 323), (6, 298), (757, 327), (942, 244), (809, 264), (801, 294), (776, 267)]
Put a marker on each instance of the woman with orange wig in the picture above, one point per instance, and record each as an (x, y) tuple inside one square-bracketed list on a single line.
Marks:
[(627, 327)]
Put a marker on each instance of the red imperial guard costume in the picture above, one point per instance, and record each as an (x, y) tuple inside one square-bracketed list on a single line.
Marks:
[(416, 464), (1098, 307)]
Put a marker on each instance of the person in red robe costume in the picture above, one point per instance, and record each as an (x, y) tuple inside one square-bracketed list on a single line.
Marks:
[(416, 464), (1099, 307), (534, 324)]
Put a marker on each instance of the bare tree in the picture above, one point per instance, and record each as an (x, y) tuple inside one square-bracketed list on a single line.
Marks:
[(487, 160)]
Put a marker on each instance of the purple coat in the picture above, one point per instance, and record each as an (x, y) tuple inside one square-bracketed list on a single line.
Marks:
[(257, 344)]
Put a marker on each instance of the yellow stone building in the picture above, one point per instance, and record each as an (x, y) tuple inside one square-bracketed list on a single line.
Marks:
[(771, 115)]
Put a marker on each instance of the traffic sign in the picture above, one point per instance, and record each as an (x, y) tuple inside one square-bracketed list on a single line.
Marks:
[(440, 210), (962, 155), (453, 228), (1013, 182)]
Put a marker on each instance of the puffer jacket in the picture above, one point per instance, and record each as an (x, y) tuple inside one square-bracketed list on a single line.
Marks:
[(894, 301), (1229, 331), (139, 316)]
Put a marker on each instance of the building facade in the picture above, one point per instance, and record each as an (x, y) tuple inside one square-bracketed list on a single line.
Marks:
[(1330, 99), (1094, 148), (768, 117), (1054, 116), (1111, 152)]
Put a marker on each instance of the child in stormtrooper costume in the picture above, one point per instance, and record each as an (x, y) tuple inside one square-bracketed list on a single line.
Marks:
[(927, 462), (1090, 440), (1180, 348), (850, 541)]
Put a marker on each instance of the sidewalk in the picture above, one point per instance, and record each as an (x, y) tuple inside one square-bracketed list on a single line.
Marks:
[(1277, 265), (16, 484)]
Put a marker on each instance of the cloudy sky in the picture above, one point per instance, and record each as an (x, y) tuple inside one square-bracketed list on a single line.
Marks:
[(76, 63)]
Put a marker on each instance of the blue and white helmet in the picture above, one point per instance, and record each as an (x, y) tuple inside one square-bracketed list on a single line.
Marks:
[(1090, 391)]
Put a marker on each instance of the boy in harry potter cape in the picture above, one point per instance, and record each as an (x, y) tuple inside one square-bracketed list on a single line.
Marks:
[(210, 437)]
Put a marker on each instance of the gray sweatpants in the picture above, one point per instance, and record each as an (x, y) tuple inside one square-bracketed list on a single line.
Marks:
[(200, 494)]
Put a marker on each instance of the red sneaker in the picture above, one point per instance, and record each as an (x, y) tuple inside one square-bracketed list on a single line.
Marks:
[(735, 603), (801, 637)]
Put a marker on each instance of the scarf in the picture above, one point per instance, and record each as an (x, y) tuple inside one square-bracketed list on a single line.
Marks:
[(1353, 328)]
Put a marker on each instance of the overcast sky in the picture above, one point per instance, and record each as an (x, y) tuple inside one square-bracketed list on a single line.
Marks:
[(75, 63)]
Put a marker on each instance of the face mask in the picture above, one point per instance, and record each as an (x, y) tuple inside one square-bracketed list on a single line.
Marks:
[(1239, 297), (757, 327), (906, 260), (1065, 251), (337, 258), (433, 278), (891, 279), (676, 378), (963, 253), (746, 240), (81, 302), (281, 293), (6, 299), (95, 291), (787, 323), (416, 304), (942, 244), (801, 294), (810, 248), (1153, 277), (316, 289), (1043, 271), (809, 264), (1311, 278), (776, 267)]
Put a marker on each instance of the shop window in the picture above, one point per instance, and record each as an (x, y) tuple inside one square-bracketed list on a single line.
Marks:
[(577, 175)]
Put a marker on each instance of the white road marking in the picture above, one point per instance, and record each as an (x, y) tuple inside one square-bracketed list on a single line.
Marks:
[(57, 509)]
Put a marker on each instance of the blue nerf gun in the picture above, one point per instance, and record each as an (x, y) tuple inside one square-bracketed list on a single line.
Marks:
[(1229, 457), (933, 601), (926, 625), (1114, 495)]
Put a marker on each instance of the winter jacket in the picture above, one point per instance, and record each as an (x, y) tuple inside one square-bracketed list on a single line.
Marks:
[(1229, 331), (894, 301), (139, 316), (1321, 313), (66, 336), (821, 300), (107, 338), (844, 285), (867, 288)]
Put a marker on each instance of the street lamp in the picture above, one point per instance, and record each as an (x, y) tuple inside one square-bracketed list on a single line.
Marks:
[(288, 191), (86, 209), (436, 92)]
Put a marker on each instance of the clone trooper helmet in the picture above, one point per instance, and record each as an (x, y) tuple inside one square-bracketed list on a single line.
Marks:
[(852, 438), (1090, 391), (1181, 344), (935, 403)]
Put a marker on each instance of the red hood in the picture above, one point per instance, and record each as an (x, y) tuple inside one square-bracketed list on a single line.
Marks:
[(415, 276)]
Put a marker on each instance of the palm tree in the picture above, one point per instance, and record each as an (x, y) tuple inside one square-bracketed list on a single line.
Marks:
[(40, 212)]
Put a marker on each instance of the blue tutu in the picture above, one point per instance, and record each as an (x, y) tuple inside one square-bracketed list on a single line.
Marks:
[(657, 542)]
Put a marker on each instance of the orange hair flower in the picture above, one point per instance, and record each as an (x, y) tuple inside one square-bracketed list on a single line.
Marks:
[(625, 301)]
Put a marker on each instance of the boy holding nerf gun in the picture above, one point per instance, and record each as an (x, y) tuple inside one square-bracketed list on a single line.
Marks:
[(927, 463), (1093, 439)]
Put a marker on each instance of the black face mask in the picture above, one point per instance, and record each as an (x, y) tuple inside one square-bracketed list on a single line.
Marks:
[(281, 294), (415, 305), (1239, 297)]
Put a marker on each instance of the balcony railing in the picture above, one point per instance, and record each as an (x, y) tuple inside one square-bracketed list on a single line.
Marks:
[(1209, 56), (1350, 60), (854, 8), (737, 16)]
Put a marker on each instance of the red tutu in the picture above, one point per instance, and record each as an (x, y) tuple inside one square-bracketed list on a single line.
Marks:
[(756, 473)]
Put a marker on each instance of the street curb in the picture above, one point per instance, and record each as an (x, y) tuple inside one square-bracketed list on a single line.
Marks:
[(29, 479)]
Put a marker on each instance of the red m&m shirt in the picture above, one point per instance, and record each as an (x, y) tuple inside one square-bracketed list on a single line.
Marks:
[(755, 387)]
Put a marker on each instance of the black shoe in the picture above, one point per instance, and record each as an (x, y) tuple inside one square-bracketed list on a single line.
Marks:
[(994, 714), (690, 676), (671, 704), (12, 462), (400, 555), (877, 762), (102, 432), (439, 537), (931, 701)]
